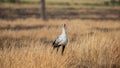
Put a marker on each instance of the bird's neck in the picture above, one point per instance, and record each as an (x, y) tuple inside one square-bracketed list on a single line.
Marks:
[(63, 31)]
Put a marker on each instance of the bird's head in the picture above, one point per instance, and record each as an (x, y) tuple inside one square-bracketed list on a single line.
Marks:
[(64, 25), (64, 29)]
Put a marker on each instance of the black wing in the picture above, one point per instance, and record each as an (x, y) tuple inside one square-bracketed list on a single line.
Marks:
[(54, 43)]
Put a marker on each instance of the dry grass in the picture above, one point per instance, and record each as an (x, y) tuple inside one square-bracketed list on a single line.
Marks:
[(90, 44), (26, 43)]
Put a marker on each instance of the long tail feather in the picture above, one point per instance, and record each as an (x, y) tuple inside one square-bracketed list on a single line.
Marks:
[(53, 43)]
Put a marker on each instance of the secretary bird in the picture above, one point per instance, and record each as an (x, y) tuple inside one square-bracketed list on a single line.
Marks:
[(61, 40)]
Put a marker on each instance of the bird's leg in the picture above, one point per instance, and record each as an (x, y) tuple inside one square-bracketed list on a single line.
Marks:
[(58, 48), (63, 48), (53, 48)]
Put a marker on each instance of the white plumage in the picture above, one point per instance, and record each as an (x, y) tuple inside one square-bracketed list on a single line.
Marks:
[(61, 40)]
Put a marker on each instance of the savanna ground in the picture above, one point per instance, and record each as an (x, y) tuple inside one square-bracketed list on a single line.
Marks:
[(26, 40)]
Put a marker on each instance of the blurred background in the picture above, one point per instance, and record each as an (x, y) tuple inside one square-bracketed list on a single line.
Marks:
[(61, 9)]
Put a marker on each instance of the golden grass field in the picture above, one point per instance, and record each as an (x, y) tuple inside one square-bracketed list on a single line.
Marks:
[(27, 42)]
